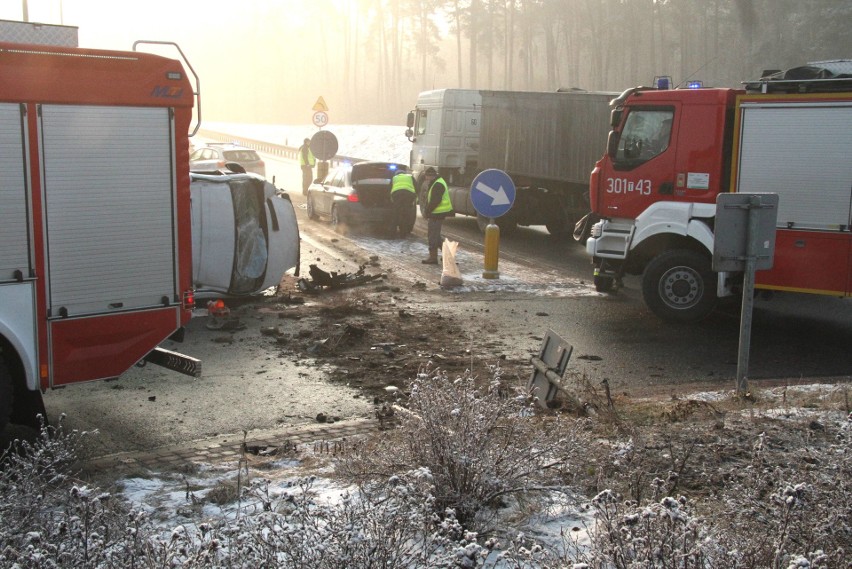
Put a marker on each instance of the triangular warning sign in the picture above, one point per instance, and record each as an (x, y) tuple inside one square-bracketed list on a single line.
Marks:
[(320, 105)]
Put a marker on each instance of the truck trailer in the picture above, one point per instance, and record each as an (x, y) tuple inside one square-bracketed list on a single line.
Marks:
[(672, 152), (547, 142)]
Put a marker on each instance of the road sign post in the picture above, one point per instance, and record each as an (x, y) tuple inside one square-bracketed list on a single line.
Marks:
[(492, 194), (745, 241)]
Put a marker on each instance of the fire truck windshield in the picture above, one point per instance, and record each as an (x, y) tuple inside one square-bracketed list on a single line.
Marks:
[(645, 134)]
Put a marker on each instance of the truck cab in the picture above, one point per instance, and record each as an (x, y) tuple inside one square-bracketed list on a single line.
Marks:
[(444, 131), (670, 153)]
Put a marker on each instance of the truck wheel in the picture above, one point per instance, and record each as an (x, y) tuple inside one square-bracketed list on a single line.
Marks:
[(7, 393), (312, 209), (560, 230), (604, 284), (506, 225), (679, 286)]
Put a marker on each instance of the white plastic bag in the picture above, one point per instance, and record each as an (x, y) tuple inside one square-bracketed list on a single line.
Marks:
[(450, 276)]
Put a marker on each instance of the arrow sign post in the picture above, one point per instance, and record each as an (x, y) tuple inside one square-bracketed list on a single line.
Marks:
[(492, 194)]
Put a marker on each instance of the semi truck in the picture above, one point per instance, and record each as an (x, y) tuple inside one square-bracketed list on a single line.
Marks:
[(547, 142), (670, 153), (96, 220)]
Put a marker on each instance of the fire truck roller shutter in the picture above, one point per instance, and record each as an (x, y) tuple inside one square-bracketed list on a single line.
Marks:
[(111, 240)]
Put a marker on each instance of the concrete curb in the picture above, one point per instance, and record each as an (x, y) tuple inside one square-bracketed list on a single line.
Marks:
[(228, 447)]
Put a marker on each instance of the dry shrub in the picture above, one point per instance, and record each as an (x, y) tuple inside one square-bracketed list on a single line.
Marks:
[(484, 446)]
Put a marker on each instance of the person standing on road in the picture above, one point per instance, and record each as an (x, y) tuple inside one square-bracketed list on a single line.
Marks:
[(403, 196), (437, 206), (306, 161)]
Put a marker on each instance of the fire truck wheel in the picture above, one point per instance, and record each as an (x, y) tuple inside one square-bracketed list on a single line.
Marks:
[(7, 392), (679, 286)]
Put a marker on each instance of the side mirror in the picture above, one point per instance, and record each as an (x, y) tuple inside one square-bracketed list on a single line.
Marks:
[(410, 120), (615, 117), (409, 134), (612, 143)]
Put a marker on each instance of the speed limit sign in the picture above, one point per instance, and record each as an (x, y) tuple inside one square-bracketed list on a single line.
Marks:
[(320, 118)]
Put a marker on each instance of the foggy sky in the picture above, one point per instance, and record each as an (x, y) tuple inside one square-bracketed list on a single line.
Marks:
[(267, 61)]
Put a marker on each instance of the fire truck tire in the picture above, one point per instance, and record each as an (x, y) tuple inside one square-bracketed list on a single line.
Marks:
[(7, 393), (679, 286), (312, 210)]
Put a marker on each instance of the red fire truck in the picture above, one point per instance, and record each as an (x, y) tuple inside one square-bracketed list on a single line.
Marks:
[(95, 218), (671, 152)]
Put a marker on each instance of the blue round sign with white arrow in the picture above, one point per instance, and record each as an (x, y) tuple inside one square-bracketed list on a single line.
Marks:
[(492, 193)]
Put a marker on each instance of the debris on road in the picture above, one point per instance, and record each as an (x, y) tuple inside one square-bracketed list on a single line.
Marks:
[(321, 279)]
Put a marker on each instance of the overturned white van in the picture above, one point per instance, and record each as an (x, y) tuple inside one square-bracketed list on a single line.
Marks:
[(245, 236)]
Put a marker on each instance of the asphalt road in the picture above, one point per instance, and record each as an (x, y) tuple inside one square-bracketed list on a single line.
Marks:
[(545, 284), (615, 337)]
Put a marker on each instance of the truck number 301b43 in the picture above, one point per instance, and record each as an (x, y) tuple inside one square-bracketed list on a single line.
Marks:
[(625, 186)]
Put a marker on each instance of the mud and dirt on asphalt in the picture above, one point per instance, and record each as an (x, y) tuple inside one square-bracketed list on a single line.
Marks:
[(377, 337)]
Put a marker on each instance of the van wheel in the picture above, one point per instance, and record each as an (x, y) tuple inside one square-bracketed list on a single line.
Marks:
[(679, 286), (7, 393), (312, 209)]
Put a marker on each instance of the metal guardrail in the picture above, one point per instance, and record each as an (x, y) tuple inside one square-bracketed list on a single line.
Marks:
[(280, 150)]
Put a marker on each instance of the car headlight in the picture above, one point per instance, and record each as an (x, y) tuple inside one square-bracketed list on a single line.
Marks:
[(597, 229)]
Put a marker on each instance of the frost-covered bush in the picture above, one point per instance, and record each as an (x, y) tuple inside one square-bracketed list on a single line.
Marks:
[(50, 519), (485, 446), (782, 513)]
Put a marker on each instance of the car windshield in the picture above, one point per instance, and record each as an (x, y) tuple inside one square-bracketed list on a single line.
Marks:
[(241, 155)]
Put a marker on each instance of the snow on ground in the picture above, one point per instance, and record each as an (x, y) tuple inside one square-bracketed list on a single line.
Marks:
[(513, 278), (386, 143)]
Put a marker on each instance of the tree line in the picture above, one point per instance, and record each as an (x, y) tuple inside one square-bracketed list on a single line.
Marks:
[(386, 51)]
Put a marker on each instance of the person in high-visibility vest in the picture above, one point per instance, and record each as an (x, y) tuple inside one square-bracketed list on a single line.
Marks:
[(437, 206), (306, 161), (403, 197)]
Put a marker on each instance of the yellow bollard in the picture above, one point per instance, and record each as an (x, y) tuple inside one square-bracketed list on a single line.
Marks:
[(492, 250)]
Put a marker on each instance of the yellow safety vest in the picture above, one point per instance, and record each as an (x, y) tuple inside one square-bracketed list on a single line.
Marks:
[(403, 181), (446, 205), (311, 160)]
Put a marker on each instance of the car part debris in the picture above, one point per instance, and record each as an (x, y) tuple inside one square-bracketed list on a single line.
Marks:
[(220, 317), (321, 279), (549, 368)]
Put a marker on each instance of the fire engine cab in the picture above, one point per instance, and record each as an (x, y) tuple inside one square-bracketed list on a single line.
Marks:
[(671, 152)]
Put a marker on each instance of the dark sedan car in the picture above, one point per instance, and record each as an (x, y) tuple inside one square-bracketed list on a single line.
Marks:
[(360, 195)]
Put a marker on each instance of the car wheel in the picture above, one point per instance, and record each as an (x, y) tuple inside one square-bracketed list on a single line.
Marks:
[(312, 208), (7, 393), (335, 218), (679, 286)]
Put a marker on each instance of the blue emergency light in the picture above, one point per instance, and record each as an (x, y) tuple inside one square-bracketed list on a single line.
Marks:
[(662, 82), (695, 85)]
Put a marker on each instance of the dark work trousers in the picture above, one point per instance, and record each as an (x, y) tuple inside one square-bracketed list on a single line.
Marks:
[(307, 177), (405, 211), (434, 238)]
